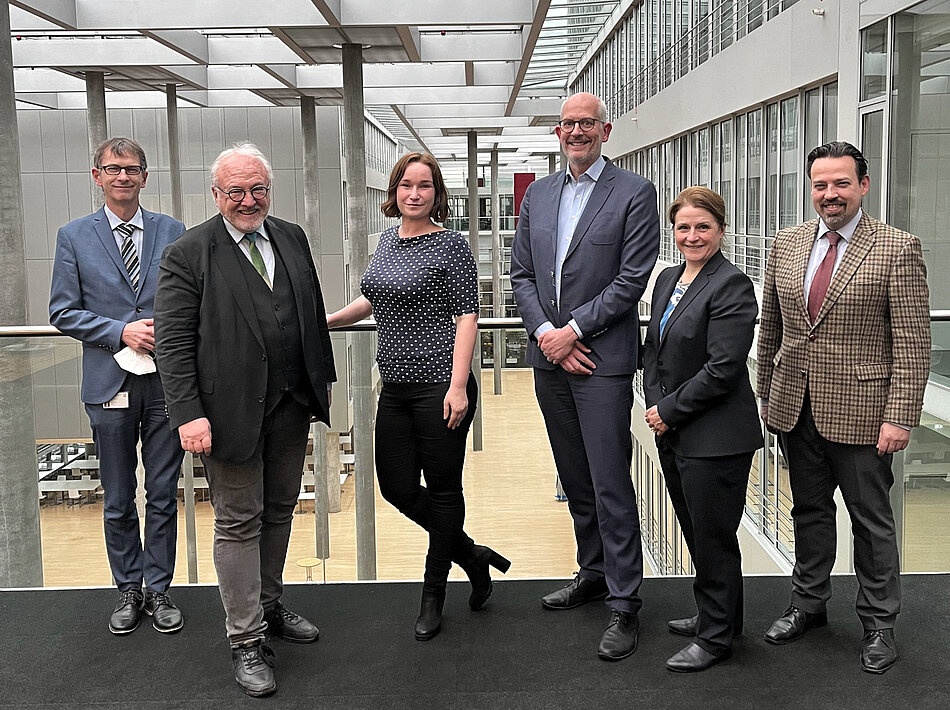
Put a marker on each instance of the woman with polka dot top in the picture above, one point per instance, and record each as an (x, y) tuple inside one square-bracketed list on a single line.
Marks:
[(422, 286)]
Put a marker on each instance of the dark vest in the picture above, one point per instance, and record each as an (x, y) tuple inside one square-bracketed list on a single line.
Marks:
[(280, 326)]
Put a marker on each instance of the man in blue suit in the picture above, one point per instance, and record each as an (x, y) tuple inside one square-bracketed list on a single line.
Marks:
[(586, 243), (102, 294)]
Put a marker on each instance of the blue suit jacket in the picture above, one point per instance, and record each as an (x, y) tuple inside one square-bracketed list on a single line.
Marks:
[(91, 298), (605, 272)]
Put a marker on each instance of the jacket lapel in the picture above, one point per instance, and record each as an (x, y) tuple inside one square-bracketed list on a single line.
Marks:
[(602, 189), (664, 290), (106, 236), (287, 250), (148, 248), (804, 241), (225, 258), (695, 288), (858, 247)]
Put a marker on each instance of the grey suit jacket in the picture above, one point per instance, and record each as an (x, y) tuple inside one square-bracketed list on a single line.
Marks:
[(605, 272), (696, 373), (91, 298)]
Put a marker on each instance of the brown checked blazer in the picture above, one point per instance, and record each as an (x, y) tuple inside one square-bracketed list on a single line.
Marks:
[(866, 358)]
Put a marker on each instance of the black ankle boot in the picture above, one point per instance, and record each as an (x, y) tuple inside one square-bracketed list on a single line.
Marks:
[(476, 565), (429, 622)]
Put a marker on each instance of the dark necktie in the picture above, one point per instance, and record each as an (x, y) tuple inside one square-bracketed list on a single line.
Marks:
[(819, 284), (256, 258), (129, 255)]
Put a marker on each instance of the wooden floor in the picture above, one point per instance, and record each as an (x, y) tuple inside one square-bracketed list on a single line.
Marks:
[(509, 493)]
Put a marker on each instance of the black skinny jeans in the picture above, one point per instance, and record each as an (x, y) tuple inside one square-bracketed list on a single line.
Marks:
[(413, 441)]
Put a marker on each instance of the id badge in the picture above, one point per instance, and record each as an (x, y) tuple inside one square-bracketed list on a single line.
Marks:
[(120, 401)]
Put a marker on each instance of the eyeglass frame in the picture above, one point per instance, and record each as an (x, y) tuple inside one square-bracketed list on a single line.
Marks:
[(230, 193), (130, 170), (578, 122)]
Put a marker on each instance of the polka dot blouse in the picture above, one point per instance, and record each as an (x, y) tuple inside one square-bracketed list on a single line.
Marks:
[(417, 286)]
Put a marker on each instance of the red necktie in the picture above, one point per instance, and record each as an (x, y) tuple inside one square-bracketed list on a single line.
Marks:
[(819, 284)]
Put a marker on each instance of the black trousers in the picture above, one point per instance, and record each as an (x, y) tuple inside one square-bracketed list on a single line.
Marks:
[(816, 467), (413, 442), (708, 495)]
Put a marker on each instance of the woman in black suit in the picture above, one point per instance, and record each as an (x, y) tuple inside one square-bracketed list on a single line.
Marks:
[(701, 407)]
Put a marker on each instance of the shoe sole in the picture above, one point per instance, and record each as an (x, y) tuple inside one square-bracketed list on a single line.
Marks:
[(160, 629), (554, 607), (123, 632), (878, 671), (698, 670), (427, 637), (605, 657), (259, 693)]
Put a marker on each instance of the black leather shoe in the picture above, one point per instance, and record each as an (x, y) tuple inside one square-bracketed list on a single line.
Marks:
[(128, 611), (694, 658), (429, 623), (687, 627), (878, 650), (578, 592), (476, 565), (252, 669), (166, 617), (620, 636), (285, 624), (793, 624)]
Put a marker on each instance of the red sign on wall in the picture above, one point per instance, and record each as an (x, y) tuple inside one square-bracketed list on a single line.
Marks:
[(522, 180)]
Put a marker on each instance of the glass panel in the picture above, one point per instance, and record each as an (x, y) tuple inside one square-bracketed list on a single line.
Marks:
[(703, 177), (741, 155), (812, 140), (790, 161), (728, 165), (872, 145), (753, 206), (829, 113), (874, 61), (771, 193)]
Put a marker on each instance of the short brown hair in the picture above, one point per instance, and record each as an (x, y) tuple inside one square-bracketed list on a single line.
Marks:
[(704, 199), (120, 147), (440, 208)]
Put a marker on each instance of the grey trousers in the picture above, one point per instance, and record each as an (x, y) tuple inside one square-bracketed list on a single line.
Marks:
[(254, 505)]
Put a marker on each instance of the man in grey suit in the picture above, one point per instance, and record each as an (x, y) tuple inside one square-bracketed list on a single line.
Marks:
[(586, 243), (103, 289), (245, 357)]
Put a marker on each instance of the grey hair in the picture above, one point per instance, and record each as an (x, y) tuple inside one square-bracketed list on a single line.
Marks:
[(601, 106), (246, 149)]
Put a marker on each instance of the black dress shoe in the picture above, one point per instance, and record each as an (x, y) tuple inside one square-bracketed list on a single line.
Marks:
[(578, 592), (128, 611), (285, 624), (166, 617), (695, 658), (793, 624), (687, 627), (620, 636), (252, 669), (878, 650), (476, 565)]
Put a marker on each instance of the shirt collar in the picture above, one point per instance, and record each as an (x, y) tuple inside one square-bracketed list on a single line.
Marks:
[(137, 220), (237, 235), (846, 232), (593, 172)]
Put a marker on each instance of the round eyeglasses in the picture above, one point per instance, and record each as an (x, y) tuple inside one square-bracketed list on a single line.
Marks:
[(237, 194), (586, 124)]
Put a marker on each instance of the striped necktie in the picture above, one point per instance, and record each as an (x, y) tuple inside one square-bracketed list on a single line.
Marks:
[(129, 255), (256, 259)]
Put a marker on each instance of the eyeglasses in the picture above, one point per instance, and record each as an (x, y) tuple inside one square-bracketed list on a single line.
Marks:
[(130, 170), (586, 124), (236, 194)]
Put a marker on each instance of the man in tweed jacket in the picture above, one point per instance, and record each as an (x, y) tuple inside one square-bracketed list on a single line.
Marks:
[(843, 362)]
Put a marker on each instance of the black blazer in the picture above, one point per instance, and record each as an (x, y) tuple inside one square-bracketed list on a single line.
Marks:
[(696, 373), (209, 348)]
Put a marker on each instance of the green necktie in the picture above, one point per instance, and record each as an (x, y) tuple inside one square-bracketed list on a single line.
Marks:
[(256, 259)]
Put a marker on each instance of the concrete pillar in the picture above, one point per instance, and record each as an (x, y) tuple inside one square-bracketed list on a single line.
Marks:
[(477, 444), (311, 202), (362, 378), (498, 308), (21, 561), (174, 154), (96, 122)]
